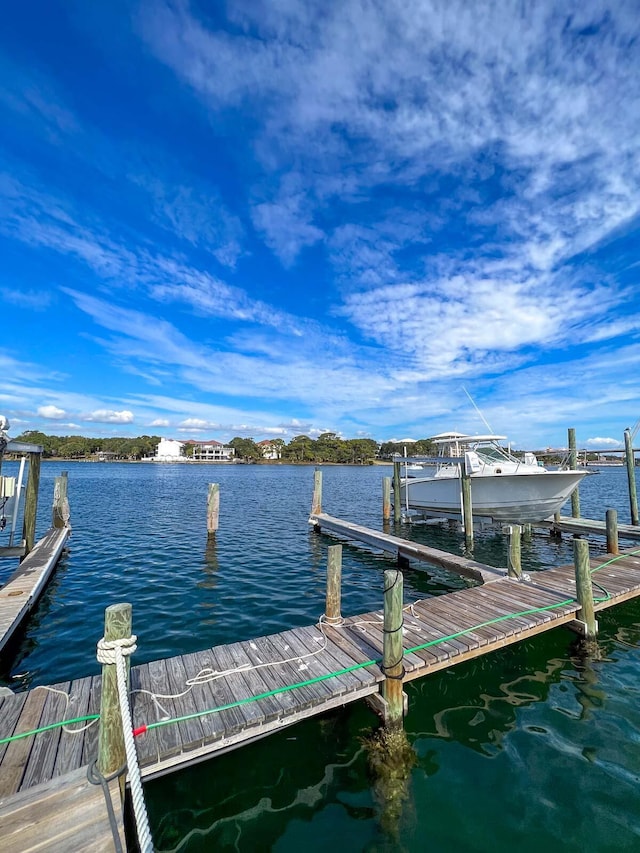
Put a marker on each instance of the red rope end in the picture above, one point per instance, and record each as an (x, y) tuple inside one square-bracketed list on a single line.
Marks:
[(139, 731)]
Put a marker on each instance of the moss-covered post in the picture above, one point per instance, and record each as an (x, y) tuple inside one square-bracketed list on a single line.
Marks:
[(213, 509), (111, 751), (612, 532), (631, 476), (573, 464), (397, 505), (584, 588), (514, 559), (386, 498), (31, 503), (392, 652), (60, 512), (316, 504), (334, 580)]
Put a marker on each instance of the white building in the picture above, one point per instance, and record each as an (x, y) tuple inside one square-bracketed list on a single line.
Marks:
[(211, 451), (270, 450), (169, 450)]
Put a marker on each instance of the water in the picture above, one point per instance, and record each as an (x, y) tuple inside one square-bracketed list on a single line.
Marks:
[(535, 746)]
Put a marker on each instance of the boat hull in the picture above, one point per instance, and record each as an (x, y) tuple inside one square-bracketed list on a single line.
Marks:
[(502, 497)]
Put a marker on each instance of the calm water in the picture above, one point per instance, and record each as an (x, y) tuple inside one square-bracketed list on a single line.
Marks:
[(533, 747)]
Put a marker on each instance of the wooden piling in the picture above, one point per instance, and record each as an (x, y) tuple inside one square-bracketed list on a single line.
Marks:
[(392, 653), (584, 589), (397, 507), (386, 498), (514, 561), (573, 464), (631, 476), (213, 508), (60, 511), (334, 581), (612, 532), (31, 503), (316, 504), (467, 505), (111, 751)]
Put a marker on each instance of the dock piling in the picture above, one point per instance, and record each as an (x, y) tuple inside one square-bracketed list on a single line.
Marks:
[(316, 504), (573, 464), (514, 561), (386, 498), (213, 508), (392, 652), (334, 581), (467, 506), (60, 512), (31, 503), (111, 749), (584, 589), (612, 532), (631, 476), (397, 508)]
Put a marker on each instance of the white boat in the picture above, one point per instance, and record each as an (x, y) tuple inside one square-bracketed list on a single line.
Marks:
[(503, 487)]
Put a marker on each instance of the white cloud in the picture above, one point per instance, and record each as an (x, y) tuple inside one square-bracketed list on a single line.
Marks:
[(159, 422), (51, 412), (604, 443), (107, 416)]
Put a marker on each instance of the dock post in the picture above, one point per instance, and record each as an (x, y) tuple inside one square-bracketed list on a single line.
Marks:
[(584, 589), (334, 581), (514, 561), (467, 505), (213, 508), (316, 504), (111, 751), (631, 475), (386, 498), (31, 503), (612, 532), (392, 652), (397, 508), (573, 464), (60, 512)]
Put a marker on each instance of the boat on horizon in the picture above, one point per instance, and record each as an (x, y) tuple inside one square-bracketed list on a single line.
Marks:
[(504, 487)]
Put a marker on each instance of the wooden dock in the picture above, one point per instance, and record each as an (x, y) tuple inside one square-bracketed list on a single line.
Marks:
[(229, 695), (67, 813), (405, 549), (584, 526), (23, 589)]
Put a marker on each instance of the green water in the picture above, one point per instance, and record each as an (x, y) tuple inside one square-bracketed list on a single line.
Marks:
[(536, 747)]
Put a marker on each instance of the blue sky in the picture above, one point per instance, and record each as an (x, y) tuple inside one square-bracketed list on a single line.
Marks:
[(266, 218)]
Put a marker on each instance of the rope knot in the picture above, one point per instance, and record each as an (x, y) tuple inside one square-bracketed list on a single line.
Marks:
[(106, 652)]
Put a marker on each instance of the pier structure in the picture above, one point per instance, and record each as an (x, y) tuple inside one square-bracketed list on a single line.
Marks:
[(188, 708)]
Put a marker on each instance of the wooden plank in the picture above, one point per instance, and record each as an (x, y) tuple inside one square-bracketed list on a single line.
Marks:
[(331, 659), (213, 725), (143, 711), (169, 740), (42, 757), (231, 720), (17, 752), (69, 754), (305, 640), (247, 683), (90, 738), (11, 710), (191, 731), (67, 813)]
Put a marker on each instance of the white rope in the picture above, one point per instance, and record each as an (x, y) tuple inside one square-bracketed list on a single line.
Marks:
[(106, 652), (133, 770)]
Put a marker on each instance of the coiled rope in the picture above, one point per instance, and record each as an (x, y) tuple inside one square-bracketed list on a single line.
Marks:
[(113, 652)]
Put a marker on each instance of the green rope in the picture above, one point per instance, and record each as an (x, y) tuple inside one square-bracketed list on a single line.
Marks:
[(49, 727)]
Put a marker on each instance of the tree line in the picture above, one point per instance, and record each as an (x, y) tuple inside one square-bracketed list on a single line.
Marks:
[(328, 447)]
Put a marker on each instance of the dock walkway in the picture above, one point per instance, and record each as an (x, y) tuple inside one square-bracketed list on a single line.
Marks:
[(214, 700), (26, 584)]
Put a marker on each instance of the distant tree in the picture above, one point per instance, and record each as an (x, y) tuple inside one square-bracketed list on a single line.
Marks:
[(246, 448), (300, 449)]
